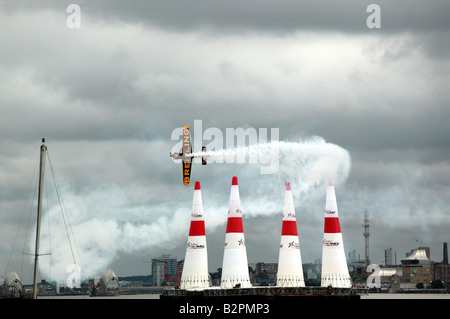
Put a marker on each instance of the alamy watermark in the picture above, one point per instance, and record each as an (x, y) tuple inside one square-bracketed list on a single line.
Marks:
[(74, 278), (243, 146), (73, 21), (374, 280), (374, 19)]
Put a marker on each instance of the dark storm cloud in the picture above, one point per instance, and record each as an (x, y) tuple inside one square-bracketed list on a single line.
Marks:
[(256, 15)]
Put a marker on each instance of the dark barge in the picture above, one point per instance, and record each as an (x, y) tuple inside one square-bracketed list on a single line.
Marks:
[(264, 293)]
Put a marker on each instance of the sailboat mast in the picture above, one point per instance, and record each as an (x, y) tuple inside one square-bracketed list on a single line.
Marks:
[(39, 211)]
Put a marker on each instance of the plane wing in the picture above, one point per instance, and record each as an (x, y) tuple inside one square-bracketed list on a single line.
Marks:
[(186, 162), (185, 155)]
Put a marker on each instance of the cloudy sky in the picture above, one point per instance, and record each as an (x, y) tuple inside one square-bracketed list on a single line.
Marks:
[(368, 107)]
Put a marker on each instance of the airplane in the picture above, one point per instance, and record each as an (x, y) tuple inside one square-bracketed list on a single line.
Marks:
[(185, 155)]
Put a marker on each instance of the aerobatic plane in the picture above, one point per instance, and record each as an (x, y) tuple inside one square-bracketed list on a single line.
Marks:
[(186, 157)]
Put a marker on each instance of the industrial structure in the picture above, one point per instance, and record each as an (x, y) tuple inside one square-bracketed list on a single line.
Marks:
[(334, 264), (290, 270), (366, 234), (441, 271), (195, 273), (416, 268)]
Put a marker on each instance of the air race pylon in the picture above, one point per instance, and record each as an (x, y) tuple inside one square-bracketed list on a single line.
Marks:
[(235, 264), (195, 270), (334, 263), (290, 269)]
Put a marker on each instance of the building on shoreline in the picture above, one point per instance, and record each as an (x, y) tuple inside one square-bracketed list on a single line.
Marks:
[(441, 271), (166, 269), (416, 269)]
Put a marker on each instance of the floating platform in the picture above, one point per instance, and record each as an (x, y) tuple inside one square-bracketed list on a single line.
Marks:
[(265, 293)]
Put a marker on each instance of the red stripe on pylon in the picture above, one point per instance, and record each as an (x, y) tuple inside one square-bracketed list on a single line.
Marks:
[(332, 225), (234, 225), (197, 228), (289, 228)]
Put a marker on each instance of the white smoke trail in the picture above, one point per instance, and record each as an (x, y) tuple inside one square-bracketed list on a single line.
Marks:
[(306, 164), (103, 231)]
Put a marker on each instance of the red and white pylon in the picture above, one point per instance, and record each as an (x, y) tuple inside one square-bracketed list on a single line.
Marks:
[(290, 269), (334, 263), (195, 273), (235, 264)]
